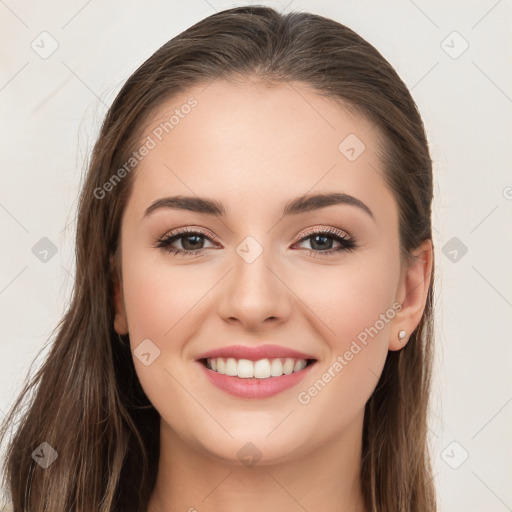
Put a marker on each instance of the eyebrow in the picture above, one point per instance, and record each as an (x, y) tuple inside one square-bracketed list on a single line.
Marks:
[(295, 206)]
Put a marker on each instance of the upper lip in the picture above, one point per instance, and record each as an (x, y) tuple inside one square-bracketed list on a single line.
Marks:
[(254, 353)]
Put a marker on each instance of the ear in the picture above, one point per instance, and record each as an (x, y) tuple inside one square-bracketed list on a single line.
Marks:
[(412, 294), (120, 319)]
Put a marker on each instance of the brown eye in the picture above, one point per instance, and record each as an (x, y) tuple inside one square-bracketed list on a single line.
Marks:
[(191, 241), (321, 242)]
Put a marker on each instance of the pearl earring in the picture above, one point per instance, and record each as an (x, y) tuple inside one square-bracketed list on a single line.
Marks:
[(401, 335)]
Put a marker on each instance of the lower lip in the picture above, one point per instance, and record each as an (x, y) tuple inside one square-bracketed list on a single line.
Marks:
[(255, 388)]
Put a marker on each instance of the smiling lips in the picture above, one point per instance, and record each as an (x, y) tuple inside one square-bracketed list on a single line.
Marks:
[(255, 372)]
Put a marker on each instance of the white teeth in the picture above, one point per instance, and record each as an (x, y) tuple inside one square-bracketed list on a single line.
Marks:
[(262, 369), (288, 366), (231, 368), (299, 365), (276, 368), (245, 368)]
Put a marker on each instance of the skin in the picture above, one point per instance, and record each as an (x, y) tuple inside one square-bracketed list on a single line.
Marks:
[(253, 148)]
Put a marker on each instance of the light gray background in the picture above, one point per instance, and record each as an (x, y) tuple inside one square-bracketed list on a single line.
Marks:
[(51, 111)]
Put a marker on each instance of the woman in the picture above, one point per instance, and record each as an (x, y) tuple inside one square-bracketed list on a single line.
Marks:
[(252, 317)]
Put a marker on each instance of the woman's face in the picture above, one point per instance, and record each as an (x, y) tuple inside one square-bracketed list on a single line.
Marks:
[(259, 275)]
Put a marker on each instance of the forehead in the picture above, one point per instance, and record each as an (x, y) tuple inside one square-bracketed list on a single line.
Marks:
[(259, 143)]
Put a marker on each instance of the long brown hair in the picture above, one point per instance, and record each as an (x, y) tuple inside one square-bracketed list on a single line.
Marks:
[(85, 400)]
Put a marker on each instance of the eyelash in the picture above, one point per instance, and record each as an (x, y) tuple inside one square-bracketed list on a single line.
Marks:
[(347, 243)]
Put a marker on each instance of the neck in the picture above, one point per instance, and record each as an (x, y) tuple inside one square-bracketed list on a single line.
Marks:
[(325, 479)]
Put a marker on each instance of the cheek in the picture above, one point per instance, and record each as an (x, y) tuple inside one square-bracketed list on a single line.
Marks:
[(351, 299), (355, 311), (161, 303), (160, 298)]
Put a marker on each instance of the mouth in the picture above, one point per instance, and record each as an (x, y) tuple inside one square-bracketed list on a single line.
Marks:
[(259, 369), (262, 371), (259, 379)]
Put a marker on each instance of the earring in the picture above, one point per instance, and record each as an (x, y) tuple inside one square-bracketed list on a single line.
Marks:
[(401, 335)]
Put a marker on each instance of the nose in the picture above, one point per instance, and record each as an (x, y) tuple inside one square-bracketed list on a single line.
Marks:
[(254, 294)]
